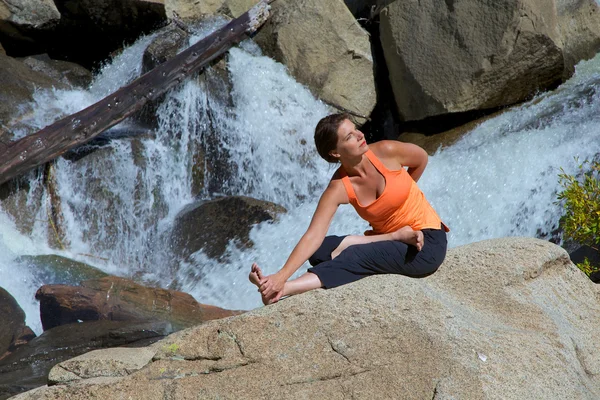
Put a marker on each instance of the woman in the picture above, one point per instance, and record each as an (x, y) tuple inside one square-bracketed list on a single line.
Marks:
[(407, 238)]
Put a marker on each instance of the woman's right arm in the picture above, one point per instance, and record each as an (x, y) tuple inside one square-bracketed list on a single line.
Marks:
[(334, 195)]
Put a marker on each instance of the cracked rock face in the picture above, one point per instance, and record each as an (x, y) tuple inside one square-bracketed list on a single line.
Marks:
[(505, 318)]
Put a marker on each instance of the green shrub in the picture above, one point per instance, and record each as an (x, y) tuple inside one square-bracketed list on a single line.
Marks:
[(581, 205)]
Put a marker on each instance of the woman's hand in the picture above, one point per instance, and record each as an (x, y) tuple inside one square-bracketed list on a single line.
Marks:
[(271, 287)]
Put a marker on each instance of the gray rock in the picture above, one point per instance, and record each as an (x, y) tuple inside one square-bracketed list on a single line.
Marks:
[(466, 55), (113, 362), (28, 367), (13, 331), (66, 72), (211, 225), (27, 13), (55, 269), (578, 31), (508, 318), (324, 48)]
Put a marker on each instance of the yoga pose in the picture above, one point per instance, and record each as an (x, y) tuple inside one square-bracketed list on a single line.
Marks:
[(407, 236)]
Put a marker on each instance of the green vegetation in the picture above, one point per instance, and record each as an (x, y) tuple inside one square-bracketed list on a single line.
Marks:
[(581, 204)]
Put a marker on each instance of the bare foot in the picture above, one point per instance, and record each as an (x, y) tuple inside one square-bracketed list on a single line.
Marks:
[(409, 236), (255, 276)]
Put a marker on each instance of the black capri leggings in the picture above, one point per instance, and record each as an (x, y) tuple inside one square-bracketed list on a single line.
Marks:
[(386, 257)]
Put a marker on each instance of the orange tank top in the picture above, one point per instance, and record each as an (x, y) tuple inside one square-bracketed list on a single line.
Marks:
[(400, 204)]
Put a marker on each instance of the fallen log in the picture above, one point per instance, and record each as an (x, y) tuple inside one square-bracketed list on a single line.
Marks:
[(74, 130)]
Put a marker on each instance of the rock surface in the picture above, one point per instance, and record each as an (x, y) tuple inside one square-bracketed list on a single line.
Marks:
[(211, 225), (192, 10), (468, 55), (508, 318), (578, 31), (51, 268), (28, 367), (13, 331), (324, 48), (119, 299), (17, 85)]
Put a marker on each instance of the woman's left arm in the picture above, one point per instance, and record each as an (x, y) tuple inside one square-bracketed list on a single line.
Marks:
[(408, 154)]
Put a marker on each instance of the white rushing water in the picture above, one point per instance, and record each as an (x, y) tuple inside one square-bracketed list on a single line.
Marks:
[(118, 204)]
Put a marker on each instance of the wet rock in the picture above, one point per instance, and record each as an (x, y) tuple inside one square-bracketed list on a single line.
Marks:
[(324, 48), (28, 367), (211, 225), (119, 299), (54, 269), (578, 33), (506, 318), (165, 46), (469, 55), (13, 331), (18, 82), (66, 72)]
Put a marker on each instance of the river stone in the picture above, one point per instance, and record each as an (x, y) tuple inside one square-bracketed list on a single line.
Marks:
[(120, 299), (105, 363), (507, 318), (28, 367), (193, 10), (468, 55), (13, 331), (63, 71), (52, 268), (18, 82), (578, 30), (210, 225), (26, 13), (324, 48)]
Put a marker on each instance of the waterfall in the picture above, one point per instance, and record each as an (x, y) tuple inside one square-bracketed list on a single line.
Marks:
[(119, 202)]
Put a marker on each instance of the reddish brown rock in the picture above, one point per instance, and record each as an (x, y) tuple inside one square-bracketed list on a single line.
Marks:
[(119, 299), (13, 331)]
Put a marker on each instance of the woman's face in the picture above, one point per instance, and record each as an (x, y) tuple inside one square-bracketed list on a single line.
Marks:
[(351, 142)]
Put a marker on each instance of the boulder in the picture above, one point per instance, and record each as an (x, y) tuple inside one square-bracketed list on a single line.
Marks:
[(28, 367), (191, 10), (13, 331), (119, 299), (467, 55), (55, 269), (19, 17), (164, 46), (211, 225), (578, 31), (69, 73), (508, 318), (17, 85), (324, 48)]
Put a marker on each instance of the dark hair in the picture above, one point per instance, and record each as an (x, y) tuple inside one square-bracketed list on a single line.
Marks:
[(326, 136)]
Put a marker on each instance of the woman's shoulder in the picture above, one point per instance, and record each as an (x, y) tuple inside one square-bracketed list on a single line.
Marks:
[(394, 151)]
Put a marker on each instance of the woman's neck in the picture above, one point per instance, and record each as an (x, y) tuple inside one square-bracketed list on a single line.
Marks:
[(355, 166)]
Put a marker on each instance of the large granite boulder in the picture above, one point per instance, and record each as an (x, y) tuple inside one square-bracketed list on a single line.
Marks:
[(193, 10), (458, 56), (324, 48), (578, 31), (69, 73), (28, 367), (18, 82), (19, 17), (508, 318), (119, 299), (211, 225), (13, 331), (55, 269)]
